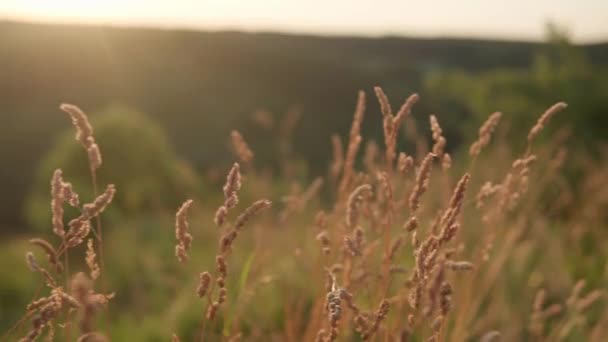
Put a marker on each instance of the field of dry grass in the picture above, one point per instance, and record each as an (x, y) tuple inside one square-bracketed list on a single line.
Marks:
[(390, 246)]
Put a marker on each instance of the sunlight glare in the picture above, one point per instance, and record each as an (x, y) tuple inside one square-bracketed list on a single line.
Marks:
[(72, 9)]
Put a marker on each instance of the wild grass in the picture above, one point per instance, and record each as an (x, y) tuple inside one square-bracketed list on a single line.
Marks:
[(410, 247)]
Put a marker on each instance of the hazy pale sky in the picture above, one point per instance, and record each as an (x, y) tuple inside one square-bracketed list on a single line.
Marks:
[(587, 20)]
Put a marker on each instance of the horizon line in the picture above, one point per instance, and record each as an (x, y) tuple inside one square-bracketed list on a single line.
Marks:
[(320, 32)]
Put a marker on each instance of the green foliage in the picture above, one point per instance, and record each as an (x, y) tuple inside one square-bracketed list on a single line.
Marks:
[(137, 158), (559, 72), (199, 86), (18, 284)]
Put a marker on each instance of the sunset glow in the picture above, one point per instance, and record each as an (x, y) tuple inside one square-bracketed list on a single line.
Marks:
[(517, 19)]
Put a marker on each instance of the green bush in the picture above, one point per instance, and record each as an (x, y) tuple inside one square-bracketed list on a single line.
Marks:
[(137, 158)]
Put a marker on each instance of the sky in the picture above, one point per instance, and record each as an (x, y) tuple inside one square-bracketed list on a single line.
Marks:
[(586, 20)]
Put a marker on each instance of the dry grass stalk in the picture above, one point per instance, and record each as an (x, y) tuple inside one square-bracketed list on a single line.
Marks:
[(220, 215), (203, 284), (61, 192), (233, 185), (459, 190), (90, 257), (297, 203), (334, 300), (334, 313), (404, 163), (82, 288), (485, 133), (251, 211), (411, 224), (385, 184), (221, 266), (264, 118), (355, 199), (422, 182), (438, 138), (226, 241), (289, 122), (524, 163), (87, 301), (448, 220), (214, 307), (544, 119), (413, 135), (576, 293), (50, 251), (459, 265), (379, 316), (392, 124), (430, 265), (521, 169), (486, 191), (35, 267), (94, 154), (540, 314), (50, 336), (395, 245), (36, 304), (338, 157), (403, 113), (57, 203), (205, 288), (490, 336), (370, 156), (321, 220), (69, 195), (323, 238), (591, 298), (80, 228), (418, 279), (385, 105), (385, 198), (445, 298), (353, 146), (505, 193), (323, 235), (579, 304), (320, 335), (415, 241), (94, 209), (241, 148), (46, 314), (353, 245), (434, 290), (84, 134), (425, 256), (231, 188), (446, 163), (80, 121), (93, 337), (184, 239)]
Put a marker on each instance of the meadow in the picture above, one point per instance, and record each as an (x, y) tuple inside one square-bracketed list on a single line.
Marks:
[(225, 186), (389, 245)]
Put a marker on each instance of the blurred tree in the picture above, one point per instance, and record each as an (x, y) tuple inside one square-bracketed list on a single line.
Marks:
[(137, 158), (200, 85), (560, 72)]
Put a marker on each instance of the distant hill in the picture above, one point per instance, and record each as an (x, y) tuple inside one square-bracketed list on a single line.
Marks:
[(199, 85)]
